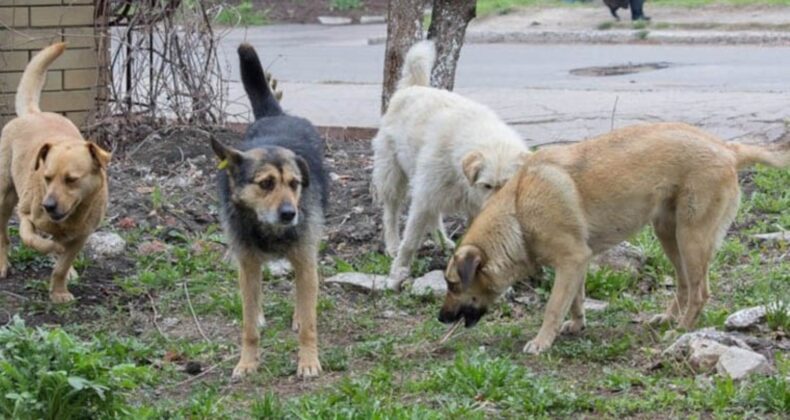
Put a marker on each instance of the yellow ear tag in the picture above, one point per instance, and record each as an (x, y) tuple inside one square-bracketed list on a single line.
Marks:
[(222, 164)]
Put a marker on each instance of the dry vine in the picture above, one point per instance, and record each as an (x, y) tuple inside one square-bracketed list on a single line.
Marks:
[(163, 69)]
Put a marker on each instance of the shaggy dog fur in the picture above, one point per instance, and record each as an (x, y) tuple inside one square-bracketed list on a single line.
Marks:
[(446, 152), (273, 193), (58, 178), (572, 202)]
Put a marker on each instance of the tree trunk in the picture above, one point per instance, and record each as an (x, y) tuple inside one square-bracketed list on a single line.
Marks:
[(404, 28), (448, 27)]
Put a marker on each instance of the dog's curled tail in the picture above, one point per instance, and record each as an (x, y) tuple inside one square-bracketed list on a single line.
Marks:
[(29, 92), (418, 64), (264, 104), (748, 155)]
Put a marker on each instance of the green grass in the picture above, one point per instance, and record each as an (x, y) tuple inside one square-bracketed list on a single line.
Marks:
[(243, 14), (498, 7), (381, 353), (344, 5)]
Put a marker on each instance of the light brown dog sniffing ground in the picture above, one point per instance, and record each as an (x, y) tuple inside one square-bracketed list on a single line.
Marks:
[(569, 203), (57, 178)]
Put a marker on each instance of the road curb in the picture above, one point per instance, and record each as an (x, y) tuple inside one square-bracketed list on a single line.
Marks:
[(644, 36)]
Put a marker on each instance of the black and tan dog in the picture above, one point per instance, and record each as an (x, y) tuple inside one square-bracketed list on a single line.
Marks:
[(273, 193), (570, 203), (58, 179)]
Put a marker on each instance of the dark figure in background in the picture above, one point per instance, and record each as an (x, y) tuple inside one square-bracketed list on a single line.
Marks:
[(636, 8)]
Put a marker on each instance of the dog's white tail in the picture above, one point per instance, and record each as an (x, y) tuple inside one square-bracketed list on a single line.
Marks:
[(29, 91), (418, 64), (747, 155)]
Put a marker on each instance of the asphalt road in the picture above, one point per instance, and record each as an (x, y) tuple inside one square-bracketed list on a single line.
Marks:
[(332, 76)]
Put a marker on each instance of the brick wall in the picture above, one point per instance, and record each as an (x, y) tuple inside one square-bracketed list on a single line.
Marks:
[(28, 25)]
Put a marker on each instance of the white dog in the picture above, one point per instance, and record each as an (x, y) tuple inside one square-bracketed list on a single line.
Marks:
[(448, 152)]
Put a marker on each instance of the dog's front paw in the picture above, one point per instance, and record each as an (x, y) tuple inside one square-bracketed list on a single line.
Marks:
[(308, 367), (574, 326), (537, 346), (3, 270), (243, 369), (398, 276), (261, 321), (61, 297)]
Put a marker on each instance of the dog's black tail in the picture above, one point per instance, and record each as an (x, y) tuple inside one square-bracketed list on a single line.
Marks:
[(263, 102)]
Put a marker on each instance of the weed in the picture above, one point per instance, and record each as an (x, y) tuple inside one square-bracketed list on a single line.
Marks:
[(242, 15), (343, 5), (642, 34), (777, 316), (603, 26)]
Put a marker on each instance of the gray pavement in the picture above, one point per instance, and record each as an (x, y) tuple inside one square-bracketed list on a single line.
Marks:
[(332, 76)]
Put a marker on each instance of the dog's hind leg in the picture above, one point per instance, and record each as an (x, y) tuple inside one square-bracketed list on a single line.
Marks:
[(699, 233), (250, 285), (389, 187), (305, 264), (665, 228), (8, 199)]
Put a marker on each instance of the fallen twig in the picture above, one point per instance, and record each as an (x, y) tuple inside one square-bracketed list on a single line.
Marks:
[(156, 315), (450, 332), (192, 311)]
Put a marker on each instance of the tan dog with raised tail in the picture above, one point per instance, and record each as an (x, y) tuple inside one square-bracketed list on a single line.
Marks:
[(569, 203), (58, 179)]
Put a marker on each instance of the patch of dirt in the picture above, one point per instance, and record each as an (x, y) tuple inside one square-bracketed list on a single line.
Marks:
[(308, 11)]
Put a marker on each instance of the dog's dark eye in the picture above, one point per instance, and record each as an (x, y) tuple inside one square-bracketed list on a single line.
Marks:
[(487, 186), (294, 184), (47, 179), (267, 184), (71, 179)]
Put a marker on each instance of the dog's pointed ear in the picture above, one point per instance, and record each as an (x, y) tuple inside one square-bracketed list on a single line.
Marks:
[(41, 156), (305, 170), (471, 165), (468, 261), (228, 156), (99, 155)]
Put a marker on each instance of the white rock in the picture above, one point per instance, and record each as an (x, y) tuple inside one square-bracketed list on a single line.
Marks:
[(279, 268), (104, 245), (738, 363), (334, 20), (705, 353), (372, 19), (623, 257), (433, 282), (782, 236), (745, 318), (595, 305), (363, 281), (681, 346)]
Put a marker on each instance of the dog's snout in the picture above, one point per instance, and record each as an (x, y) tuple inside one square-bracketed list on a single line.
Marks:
[(287, 212), (447, 317), (49, 204)]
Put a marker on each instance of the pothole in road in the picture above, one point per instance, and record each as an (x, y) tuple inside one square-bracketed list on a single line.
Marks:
[(620, 69)]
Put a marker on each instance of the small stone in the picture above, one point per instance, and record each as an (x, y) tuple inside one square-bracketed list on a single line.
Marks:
[(388, 314), (127, 223), (705, 353), (745, 318), (151, 247), (782, 236), (169, 322), (738, 363), (433, 283), (193, 368), (363, 281), (104, 245), (334, 20), (527, 300), (623, 257), (595, 305), (279, 268), (334, 177), (680, 347), (372, 19)]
